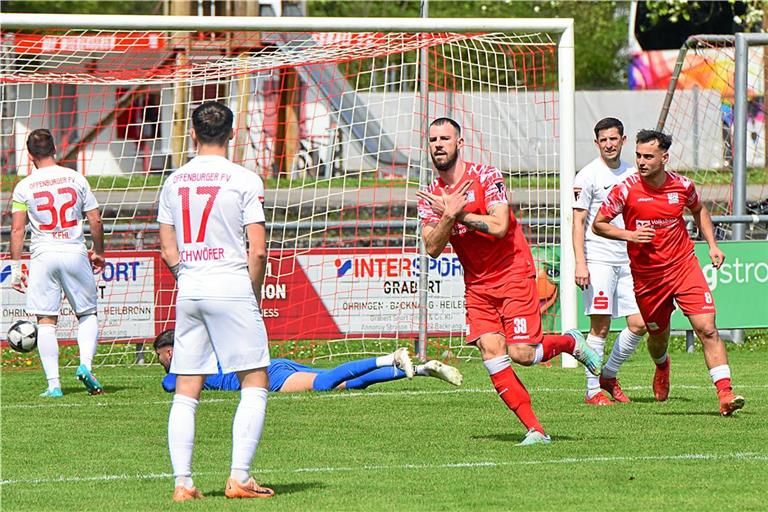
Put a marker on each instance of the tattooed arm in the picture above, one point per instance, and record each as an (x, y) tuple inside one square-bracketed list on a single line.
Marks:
[(496, 223)]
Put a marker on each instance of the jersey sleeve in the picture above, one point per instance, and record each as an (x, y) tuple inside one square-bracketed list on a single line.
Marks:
[(89, 200), (426, 214), (19, 198), (583, 191), (614, 203), (493, 187), (691, 196), (253, 201), (164, 213)]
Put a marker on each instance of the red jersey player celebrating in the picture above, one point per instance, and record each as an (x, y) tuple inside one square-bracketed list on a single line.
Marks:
[(467, 206), (663, 263)]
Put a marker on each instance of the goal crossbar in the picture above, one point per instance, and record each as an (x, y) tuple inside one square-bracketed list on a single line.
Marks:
[(289, 24)]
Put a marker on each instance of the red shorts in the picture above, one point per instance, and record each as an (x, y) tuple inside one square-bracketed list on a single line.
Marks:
[(511, 309), (684, 285)]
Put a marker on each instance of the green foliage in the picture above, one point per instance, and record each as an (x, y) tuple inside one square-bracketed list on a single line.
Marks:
[(676, 10), (364, 450), (600, 27), (84, 6)]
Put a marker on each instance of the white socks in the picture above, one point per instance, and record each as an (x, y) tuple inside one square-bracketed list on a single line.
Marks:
[(246, 430), (48, 349), (625, 345), (387, 360), (181, 438), (497, 364), (720, 372), (87, 338), (539, 353), (593, 381)]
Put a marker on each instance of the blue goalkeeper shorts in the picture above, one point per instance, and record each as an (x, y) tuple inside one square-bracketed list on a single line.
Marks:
[(280, 369)]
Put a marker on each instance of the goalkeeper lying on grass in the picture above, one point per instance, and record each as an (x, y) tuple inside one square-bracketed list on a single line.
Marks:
[(287, 376)]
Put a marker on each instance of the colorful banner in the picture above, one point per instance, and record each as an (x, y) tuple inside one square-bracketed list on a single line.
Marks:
[(338, 293), (126, 299)]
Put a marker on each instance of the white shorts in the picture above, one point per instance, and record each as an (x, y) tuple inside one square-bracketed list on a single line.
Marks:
[(231, 332), (610, 291), (52, 272)]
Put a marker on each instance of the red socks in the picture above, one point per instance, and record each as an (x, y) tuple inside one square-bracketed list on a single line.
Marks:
[(514, 394), (723, 385), (555, 344)]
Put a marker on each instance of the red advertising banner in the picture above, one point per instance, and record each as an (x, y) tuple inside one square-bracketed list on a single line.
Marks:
[(104, 42)]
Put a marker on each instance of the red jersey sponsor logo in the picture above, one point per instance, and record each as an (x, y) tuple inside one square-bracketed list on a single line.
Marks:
[(662, 208), (600, 302)]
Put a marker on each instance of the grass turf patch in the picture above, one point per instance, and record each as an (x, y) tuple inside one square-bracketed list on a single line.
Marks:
[(407, 445)]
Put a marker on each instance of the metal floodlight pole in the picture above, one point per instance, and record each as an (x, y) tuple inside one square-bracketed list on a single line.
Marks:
[(740, 134), (743, 42)]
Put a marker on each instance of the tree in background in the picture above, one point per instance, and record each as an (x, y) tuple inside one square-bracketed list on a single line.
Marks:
[(84, 6), (600, 27)]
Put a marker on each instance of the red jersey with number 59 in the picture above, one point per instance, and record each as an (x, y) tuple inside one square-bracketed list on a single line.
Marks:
[(209, 201), (55, 199), (661, 208), (487, 261)]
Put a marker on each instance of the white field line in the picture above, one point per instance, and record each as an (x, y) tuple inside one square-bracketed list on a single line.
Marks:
[(394, 467), (102, 400)]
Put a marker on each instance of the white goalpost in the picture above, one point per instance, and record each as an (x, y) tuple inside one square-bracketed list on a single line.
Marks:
[(331, 113)]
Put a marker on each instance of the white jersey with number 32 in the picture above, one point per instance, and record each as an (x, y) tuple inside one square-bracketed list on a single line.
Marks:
[(55, 199), (209, 201)]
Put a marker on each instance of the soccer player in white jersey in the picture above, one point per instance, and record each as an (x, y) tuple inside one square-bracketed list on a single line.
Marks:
[(602, 265), (55, 200), (205, 206)]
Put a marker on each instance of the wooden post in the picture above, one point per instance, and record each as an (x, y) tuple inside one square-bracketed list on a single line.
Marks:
[(287, 139), (180, 117), (240, 85)]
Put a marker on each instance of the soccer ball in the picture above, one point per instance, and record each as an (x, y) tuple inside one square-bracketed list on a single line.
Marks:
[(22, 336)]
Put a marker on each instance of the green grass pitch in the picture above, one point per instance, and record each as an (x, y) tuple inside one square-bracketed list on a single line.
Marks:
[(418, 445)]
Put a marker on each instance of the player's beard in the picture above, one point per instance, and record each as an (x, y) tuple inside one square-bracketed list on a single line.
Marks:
[(448, 163)]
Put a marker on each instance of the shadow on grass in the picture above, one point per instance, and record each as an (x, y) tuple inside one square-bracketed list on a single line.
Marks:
[(689, 413), (80, 390), (516, 438), (651, 400), (280, 489)]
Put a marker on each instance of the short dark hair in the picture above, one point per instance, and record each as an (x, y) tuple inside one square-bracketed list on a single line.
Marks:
[(40, 143), (608, 122), (664, 140), (164, 339), (213, 123), (446, 120)]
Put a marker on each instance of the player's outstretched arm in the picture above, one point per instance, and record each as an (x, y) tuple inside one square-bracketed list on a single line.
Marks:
[(257, 256), (496, 223), (169, 250), (18, 229), (703, 221), (97, 236)]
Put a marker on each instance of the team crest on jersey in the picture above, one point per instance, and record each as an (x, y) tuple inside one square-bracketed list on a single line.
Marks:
[(470, 196), (576, 193), (673, 198)]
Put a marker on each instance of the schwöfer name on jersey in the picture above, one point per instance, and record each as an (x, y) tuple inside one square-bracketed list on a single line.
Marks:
[(202, 254)]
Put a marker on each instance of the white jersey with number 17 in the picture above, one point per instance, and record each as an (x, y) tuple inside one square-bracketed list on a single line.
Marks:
[(55, 199), (209, 201)]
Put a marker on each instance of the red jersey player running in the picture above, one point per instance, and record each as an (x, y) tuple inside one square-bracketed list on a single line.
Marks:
[(467, 205), (663, 263)]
